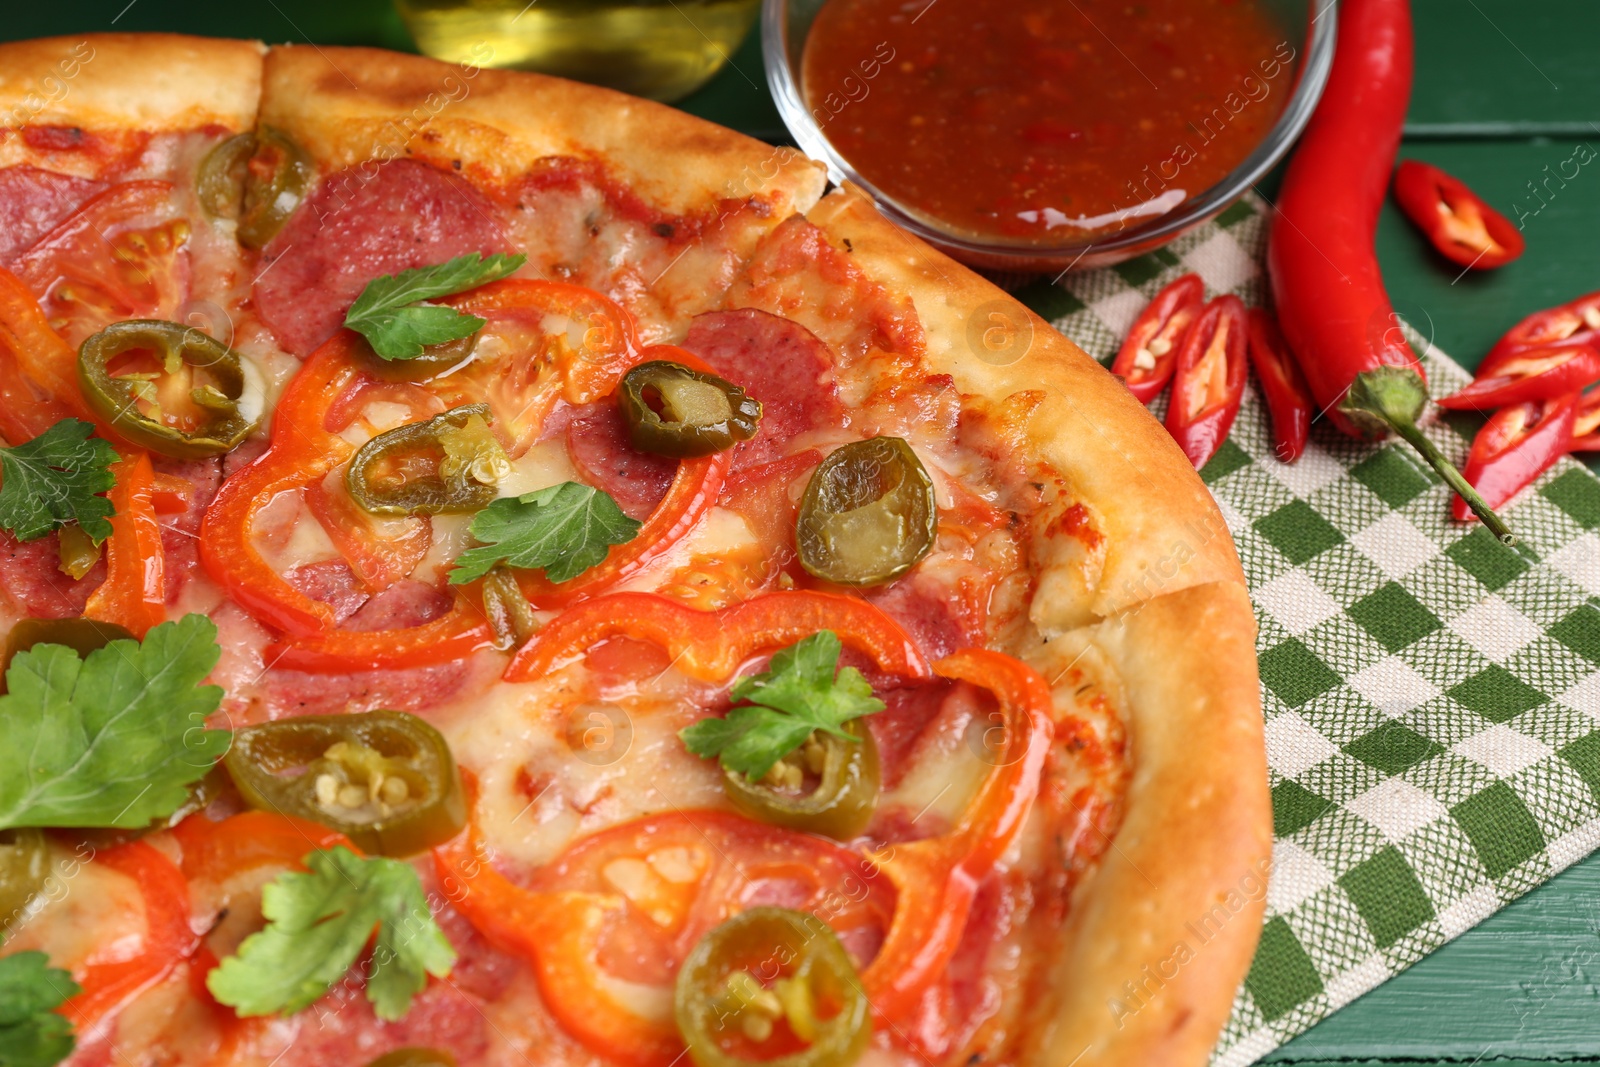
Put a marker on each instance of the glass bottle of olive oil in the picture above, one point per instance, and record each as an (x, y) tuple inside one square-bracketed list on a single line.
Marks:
[(663, 49)]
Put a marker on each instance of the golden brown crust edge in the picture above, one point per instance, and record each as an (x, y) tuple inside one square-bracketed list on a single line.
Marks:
[(1162, 529), (350, 105), (151, 82), (1162, 933)]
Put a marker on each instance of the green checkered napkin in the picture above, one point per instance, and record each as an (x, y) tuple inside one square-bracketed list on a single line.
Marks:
[(1432, 698)]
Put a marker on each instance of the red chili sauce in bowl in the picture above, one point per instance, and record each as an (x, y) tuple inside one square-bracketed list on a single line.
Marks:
[(1045, 120)]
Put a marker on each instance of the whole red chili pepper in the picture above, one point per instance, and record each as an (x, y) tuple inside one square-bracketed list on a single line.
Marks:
[(1586, 424), (1283, 385), (1537, 374), (1461, 226), (1576, 322), (1515, 446), (1326, 283), (1150, 352), (1208, 381)]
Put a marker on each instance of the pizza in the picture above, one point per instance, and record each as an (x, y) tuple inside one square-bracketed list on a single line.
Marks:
[(498, 571)]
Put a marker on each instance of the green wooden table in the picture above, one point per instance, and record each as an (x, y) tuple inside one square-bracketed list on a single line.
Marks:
[(1506, 91)]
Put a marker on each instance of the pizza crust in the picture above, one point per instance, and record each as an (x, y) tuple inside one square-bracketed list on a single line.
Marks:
[(1162, 530), (1162, 933), (150, 82), (350, 105)]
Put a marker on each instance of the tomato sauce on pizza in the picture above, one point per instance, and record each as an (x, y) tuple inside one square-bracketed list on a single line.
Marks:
[(524, 598)]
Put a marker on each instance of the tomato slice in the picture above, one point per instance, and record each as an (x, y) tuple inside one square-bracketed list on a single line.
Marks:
[(120, 256), (608, 922)]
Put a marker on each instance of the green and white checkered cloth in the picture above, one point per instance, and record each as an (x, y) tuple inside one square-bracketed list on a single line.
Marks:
[(1432, 698)]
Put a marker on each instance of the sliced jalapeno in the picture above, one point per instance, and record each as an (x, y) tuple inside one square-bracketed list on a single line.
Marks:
[(129, 373), (762, 983), (415, 1057), (845, 794), (463, 460), (674, 411), (24, 866), (384, 779), (259, 178), (511, 617), (868, 514), (434, 361), (83, 636), (77, 551)]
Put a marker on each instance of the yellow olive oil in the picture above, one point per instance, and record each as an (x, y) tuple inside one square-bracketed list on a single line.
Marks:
[(663, 49)]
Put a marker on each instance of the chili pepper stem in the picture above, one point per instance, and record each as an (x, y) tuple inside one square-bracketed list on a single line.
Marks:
[(1394, 397)]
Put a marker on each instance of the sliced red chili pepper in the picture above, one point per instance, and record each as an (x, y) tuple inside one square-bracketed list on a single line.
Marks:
[(1282, 384), (1465, 229), (1208, 381), (168, 937), (1150, 351), (1537, 374), (1515, 446), (1586, 424), (711, 645), (1576, 322), (134, 593)]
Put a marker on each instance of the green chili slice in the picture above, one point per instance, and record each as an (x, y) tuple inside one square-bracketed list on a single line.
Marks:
[(384, 779), (132, 376), (259, 178), (24, 866), (868, 514), (83, 636), (436, 360), (674, 411), (769, 979), (511, 617), (845, 792), (415, 1057), (450, 463)]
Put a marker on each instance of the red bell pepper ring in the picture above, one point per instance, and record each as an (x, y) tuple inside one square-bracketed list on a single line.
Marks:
[(1586, 424), (563, 920), (302, 451), (1464, 229), (134, 593), (1515, 446), (1576, 322), (1208, 381), (710, 645), (938, 877), (1150, 351), (1536, 374), (168, 941), (1282, 384), (38, 370)]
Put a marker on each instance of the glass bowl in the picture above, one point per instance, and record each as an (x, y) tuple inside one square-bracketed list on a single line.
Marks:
[(785, 24)]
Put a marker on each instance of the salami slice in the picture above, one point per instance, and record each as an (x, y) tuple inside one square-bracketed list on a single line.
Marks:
[(359, 224), (33, 202), (780, 363), (597, 441)]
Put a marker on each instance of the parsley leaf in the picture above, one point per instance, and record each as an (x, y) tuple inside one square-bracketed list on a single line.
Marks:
[(798, 692), (390, 315), (31, 1034), (113, 739), (319, 923), (564, 529), (56, 478)]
